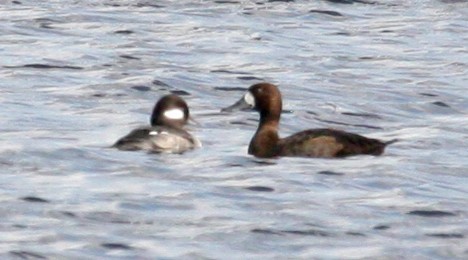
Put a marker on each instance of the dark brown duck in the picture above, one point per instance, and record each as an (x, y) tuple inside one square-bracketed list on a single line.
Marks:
[(327, 143)]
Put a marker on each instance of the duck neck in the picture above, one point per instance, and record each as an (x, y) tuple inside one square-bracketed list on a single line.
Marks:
[(265, 141)]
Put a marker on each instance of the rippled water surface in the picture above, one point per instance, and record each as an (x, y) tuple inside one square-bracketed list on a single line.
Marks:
[(77, 75)]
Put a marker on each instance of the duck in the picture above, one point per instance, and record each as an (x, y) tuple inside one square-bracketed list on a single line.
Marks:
[(166, 134), (265, 98)]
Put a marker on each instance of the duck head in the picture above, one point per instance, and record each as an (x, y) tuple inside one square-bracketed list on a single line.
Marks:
[(262, 97), (170, 110)]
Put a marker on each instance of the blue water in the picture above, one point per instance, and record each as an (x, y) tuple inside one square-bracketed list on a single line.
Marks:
[(77, 75)]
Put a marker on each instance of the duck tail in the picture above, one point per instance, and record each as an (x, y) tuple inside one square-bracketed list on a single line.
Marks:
[(391, 141)]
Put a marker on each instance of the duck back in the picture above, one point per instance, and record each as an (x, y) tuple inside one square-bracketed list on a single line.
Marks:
[(328, 143)]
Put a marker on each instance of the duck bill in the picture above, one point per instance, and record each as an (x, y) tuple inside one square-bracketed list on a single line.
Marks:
[(192, 120), (239, 105)]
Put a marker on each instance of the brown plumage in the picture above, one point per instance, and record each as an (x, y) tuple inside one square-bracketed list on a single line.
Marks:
[(327, 143)]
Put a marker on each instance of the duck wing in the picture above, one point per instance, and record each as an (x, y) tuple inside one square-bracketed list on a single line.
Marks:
[(157, 139), (329, 143)]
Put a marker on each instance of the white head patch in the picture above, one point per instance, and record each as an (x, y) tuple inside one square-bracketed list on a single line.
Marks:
[(249, 99), (174, 113)]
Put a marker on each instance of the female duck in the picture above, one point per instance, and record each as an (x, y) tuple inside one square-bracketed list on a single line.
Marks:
[(166, 133), (327, 143)]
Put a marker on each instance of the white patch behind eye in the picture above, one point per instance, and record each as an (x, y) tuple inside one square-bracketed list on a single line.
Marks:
[(249, 99), (174, 113)]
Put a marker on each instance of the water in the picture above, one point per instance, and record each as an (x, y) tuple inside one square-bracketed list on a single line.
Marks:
[(77, 75)]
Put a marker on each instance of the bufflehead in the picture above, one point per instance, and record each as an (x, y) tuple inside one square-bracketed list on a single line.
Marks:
[(166, 133)]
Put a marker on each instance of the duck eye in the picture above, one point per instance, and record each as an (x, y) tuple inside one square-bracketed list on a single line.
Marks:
[(174, 113), (249, 99)]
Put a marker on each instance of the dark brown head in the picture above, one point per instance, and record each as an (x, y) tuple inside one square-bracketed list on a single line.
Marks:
[(171, 110), (266, 99), (262, 97)]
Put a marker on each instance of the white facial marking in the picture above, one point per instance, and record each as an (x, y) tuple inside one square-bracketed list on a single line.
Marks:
[(174, 113), (249, 99)]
